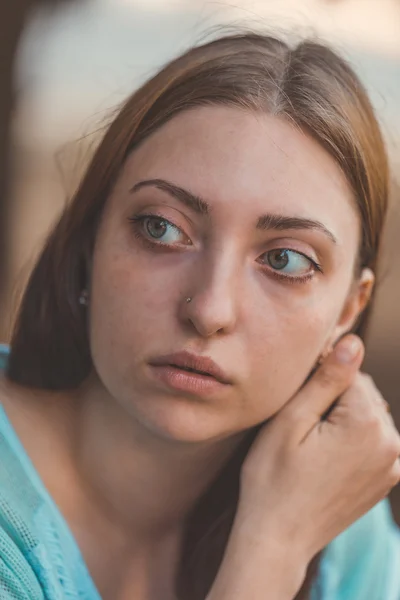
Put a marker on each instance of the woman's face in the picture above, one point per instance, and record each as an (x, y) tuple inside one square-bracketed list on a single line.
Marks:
[(254, 221)]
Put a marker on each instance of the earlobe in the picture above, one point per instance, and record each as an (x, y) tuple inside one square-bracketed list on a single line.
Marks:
[(355, 304), (366, 285)]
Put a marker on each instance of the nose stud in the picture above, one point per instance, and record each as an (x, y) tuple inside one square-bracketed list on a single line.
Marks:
[(188, 299)]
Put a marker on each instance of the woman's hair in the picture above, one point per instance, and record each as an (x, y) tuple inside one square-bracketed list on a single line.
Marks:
[(307, 85)]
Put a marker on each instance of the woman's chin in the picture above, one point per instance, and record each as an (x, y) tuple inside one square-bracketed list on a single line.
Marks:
[(184, 421)]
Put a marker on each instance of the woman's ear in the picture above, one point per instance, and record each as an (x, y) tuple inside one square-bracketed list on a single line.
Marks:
[(357, 300)]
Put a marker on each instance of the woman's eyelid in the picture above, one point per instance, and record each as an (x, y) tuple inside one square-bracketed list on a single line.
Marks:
[(156, 213), (295, 245), (301, 254), (167, 212)]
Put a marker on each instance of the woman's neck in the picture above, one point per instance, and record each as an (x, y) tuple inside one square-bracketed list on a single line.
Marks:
[(145, 481)]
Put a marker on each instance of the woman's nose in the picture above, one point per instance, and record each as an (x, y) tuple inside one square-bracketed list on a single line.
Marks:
[(211, 304)]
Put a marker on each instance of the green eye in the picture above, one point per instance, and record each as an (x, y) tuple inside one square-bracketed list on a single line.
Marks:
[(155, 227), (278, 259), (161, 230), (288, 261)]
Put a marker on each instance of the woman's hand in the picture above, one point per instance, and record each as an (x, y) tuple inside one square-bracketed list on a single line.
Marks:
[(317, 475), (323, 461)]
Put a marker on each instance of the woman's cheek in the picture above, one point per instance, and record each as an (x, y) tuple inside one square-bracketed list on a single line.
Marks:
[(283, 357)]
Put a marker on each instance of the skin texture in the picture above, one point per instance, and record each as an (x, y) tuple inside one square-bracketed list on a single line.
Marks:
[(265, 333), (253, 325)]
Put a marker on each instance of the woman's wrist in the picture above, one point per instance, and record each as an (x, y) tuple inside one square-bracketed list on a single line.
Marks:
[(257, 561)]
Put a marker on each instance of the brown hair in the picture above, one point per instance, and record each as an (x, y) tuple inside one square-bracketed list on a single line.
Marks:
[(310, 86)]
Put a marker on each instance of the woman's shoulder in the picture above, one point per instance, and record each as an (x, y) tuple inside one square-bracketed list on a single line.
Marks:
[(26, 523), (31, 550), (39, 558), (19, 504), (363, 562)]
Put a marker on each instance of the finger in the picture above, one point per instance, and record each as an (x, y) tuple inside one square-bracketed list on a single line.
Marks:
[(384, 409), (328, 383)]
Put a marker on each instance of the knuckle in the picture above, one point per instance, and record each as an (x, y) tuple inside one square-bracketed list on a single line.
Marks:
[(392, 451), (388, 445)]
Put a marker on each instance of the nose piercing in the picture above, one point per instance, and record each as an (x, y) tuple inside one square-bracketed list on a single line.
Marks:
[(188, 299)]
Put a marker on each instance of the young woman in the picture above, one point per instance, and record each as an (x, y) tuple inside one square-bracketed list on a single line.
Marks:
[(183, 413)]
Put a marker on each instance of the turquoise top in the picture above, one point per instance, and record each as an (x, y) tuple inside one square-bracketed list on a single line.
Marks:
[(40, 560)]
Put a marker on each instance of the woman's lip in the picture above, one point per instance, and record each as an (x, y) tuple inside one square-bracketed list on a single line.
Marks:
[(186, 381), (204, 365)]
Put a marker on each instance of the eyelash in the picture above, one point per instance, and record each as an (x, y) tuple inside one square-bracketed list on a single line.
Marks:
[(315, 268), (138, 220)]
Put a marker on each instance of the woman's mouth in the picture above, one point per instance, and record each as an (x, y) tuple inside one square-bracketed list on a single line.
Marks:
[(190, 373)]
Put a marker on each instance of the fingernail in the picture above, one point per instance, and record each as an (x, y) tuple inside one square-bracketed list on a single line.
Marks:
[(347, 349)]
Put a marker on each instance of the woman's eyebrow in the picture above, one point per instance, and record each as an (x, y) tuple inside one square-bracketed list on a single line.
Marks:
[(199, 205), (281, 222), (192, 201)]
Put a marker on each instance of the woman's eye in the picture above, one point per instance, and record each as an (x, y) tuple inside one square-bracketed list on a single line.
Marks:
[(289, 262), (160, 230)]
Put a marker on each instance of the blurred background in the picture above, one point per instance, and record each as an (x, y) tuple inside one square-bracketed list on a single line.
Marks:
[(66, 64)]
